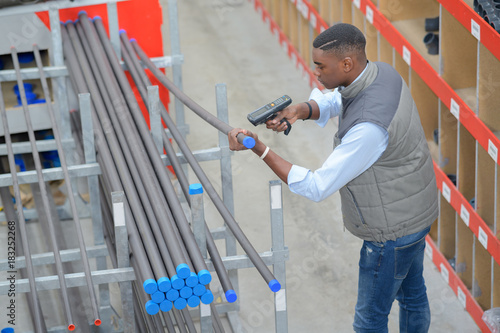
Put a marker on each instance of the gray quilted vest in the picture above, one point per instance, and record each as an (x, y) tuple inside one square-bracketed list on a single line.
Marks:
[(397, 195)]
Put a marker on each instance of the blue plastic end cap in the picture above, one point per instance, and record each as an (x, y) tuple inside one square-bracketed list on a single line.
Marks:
[(249, 142), (69, 22), (204, 277), (166, 305), (231, 296), (177, 282), (195, 189), (7, 330), (96, 18), (274, 285), (81, 12), (183, 271), (186, 292), (180, 303), (207, 297), (164, 284), (199, 290), (152, 308), (150, 286), (172, 295), (193, 301), (133, 40), (192, 280), (158, 297), (122, 31)]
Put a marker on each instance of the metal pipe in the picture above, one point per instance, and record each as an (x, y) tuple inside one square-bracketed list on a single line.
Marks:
[(69, 188), (141, 81), (247, 141), (228, 218), (147, 175), (43, 191)]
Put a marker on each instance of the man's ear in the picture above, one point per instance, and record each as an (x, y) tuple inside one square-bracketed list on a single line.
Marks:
[(347, 64)]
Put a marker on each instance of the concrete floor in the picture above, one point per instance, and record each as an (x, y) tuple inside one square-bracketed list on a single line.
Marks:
[(225, 41)]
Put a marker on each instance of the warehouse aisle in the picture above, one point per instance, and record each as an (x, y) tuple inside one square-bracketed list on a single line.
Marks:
[(225, 41)]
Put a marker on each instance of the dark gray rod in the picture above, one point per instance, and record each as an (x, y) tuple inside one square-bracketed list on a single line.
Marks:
[(141, 191), (36, 311), (228, 218), (69, 188), (147, 174), (107, 153), (141, 81), (43, 191)]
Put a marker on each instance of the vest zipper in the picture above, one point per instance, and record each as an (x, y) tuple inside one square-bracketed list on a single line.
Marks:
[(357, 207)]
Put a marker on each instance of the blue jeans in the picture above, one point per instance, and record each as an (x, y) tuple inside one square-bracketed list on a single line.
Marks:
[(388, 271)]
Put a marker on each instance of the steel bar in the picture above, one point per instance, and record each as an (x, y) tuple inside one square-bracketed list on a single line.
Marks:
[(69, 189), (146, 174), (229, 219), (249, 142), (44, 194), (106, 155), (141, 80)]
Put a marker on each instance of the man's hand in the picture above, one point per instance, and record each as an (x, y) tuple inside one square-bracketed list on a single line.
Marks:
[(233, 140), (290, 113)]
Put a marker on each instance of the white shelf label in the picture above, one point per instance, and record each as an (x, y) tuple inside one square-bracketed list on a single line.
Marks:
[(455, 108), (357, 3), (464, 214), (406, 55), (322, 28), (275, 197), (369, 14), (475, 29), (483, 238), (461, 297), (444, 273), (493, 150), (302, 7), (428, 250), (446, 192), (280, 300), (313, 21)]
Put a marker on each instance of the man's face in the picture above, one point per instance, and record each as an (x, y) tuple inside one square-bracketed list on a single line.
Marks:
[(329, 69)]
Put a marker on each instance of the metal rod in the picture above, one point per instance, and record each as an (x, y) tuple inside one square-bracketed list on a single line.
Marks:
[(44, 194), (69, 188), (249, 142)]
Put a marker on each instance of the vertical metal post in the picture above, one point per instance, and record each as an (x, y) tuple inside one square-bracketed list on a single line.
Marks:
[(59, 83), (175, 51), (206, 318), (95, 205), (122, 256), (198, 217), (114, 35), (278, 244), (154, 117), (227, 179)]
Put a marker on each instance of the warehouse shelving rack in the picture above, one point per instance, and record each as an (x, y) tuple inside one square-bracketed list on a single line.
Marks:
[(58, 72), (457, 94)]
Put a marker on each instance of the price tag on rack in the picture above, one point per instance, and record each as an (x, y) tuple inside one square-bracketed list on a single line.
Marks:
[(482, 237), (357, 3), (461, 297), (493, 150), (407, 55), (464, 214), (313, 21), (369, 14), (446, 192), (475, 29), (444, 273), (455, 108)]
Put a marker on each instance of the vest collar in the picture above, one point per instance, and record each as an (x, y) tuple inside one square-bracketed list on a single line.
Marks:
[(362, 81)]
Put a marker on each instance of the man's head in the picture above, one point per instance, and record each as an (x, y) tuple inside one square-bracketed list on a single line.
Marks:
[(339, 55)]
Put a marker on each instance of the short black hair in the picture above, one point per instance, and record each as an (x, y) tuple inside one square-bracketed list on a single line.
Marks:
[(341, 39)]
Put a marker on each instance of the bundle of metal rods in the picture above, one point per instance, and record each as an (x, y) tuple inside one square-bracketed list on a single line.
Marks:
[(164, 252)]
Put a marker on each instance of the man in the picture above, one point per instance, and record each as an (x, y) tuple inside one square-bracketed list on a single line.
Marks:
[(382, 167)]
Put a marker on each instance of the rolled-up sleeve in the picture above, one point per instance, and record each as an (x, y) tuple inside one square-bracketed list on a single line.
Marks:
[(360, 148), (329, 104)]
